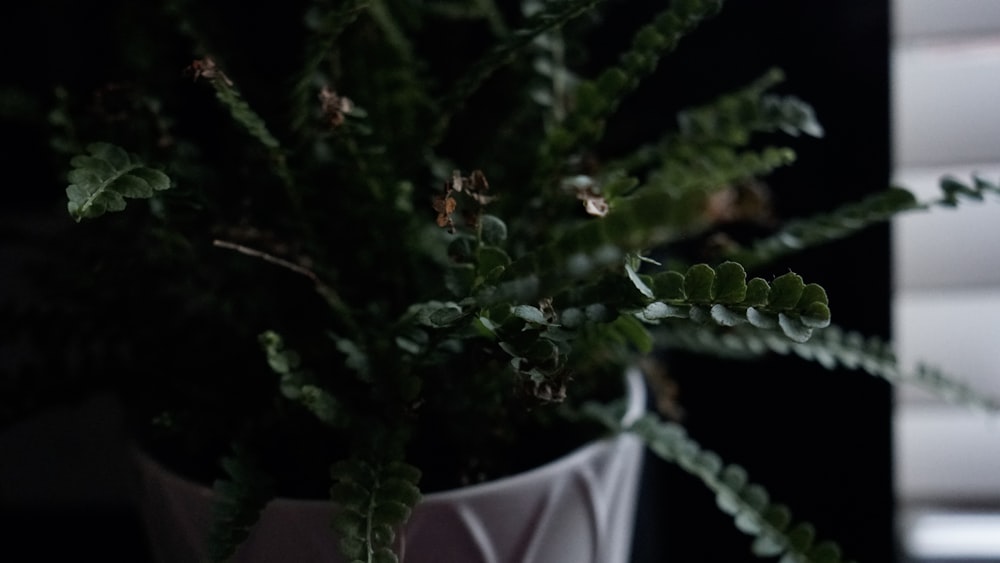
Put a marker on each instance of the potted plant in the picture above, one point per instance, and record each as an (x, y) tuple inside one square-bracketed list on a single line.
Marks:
[(369, 263)]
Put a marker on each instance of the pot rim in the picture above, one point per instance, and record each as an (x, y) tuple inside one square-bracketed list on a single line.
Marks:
[(635, 392)]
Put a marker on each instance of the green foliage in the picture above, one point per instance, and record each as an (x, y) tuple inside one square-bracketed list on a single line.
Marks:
[(299, 385), (238, 502), (597, 99), (733, 117), (799, 235), (771, 525), (551, 16), (101, 180), (712, 138), (832, 347), (373, 501), (724, 295), (243, 114)]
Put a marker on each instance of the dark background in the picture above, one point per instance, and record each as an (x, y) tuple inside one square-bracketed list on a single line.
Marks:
[(820, 441)]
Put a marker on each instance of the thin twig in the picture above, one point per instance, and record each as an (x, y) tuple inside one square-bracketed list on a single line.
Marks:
[(325, 291), (269, 258)]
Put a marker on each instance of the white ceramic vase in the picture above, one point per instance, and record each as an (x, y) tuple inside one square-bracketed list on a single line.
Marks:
[(577, 509)]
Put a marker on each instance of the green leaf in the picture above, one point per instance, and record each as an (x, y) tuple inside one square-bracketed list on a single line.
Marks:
[(349, 493), (793, 328), (768, 545), (669, 285), (757, 291), (825, 552), (402, 471), (491, 259), (391, 513), (755, 496), (239, 500), (698, 283), (658, 310), (572, 317), (760, 319), (635, 333), (383, 534), (493, 229), (778, 516), (725, 317), (748, 523), (348, 522), (801, 536), (728, 501), (637, 281), (356, 358), (734, 476), (812, 293), (445, 315), (530, 314), (384, 555), (786, 290), (353, 548), (730, 283), (816, 315)]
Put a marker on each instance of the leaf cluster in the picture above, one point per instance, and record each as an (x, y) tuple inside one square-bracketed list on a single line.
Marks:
[(239, 499)]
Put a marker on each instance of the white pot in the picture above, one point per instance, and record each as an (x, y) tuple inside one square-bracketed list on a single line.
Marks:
[(579, 508)]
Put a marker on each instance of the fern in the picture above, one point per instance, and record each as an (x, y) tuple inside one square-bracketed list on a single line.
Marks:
[(771, 525), (596, 100), (724, 295), (634, 223), (102, 179), (243, 114), (729, 120), (239, 499), (710, 168), (733, 117), (296, 384), (831, 348), (840, 223), (554, 15), (847, 220), (373, 501)]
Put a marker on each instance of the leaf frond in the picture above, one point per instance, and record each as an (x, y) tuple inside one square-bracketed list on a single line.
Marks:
[(239, 500), (554, 15), (724, 296), (597, 99), (801, 234), (833, 347), (373, 502), (774, 531), (102, 179)]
